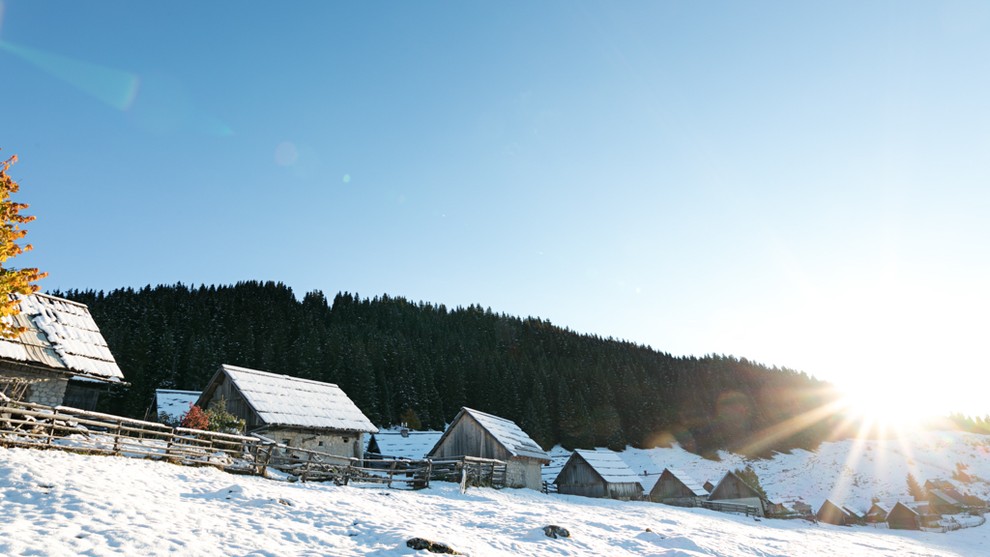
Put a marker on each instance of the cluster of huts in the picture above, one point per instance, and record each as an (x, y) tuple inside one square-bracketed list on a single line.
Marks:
[(942, 498), (62, 359), (304, 414), (602, 473)]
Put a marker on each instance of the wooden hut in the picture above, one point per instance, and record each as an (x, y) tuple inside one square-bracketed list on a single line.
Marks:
[(598, 473), (877, 513), (732, 489), (831, 513), (60, 358), (475, 433), (941, 502), (677, 488), (902, 517), (171, 405), (295, 412)]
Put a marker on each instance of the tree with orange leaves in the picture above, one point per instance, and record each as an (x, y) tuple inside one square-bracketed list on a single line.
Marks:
[(13, 281)]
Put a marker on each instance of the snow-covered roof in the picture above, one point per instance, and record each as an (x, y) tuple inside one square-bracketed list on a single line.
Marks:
[(689, 482), (608, 465), (280, 400), (174, 403), (413, 445), (61, 335), (945, 497), (508, 434)]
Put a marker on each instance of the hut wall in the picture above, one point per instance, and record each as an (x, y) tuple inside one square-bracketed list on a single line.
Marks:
[(45, 388), (830, 514), (902, 519), (578, 478), (347, 444), (732, 488), (625, 490), (468, 438), (236, 404), (523, 472), (669, 490)]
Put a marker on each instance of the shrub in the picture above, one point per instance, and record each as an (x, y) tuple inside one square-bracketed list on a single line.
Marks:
[(221, 420), (195, 418)]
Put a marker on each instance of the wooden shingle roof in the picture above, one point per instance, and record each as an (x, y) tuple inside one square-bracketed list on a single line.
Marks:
[(61, 335), (281, 400)]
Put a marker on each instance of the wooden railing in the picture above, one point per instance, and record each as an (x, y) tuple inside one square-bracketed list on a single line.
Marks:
[(730, 507), (24, 424)]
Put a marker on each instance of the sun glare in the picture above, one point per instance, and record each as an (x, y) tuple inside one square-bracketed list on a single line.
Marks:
[(885, 407)]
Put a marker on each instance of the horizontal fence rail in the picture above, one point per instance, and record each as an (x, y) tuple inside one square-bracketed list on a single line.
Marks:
[(30, 425)]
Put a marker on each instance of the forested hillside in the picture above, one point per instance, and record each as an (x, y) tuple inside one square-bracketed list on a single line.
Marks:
[(419, 363)]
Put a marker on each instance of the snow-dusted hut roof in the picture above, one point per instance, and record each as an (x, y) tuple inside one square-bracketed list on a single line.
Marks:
[(61, 335), (174, 403), (504, 431), (280, 400), (411, 444), (608, 465), (693, 486), (735, 486)]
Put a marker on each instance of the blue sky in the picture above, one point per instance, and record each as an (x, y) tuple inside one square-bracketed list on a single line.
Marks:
[(800, 184)]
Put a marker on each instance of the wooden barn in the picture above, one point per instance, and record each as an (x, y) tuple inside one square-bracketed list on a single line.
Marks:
[(598, 473), (402, 444), (941, 502), (170, 405), (877, 513), (60, 359), (475, 433), (295, 412), (732, 489), (902, 517), (831, 513), (679, 489)]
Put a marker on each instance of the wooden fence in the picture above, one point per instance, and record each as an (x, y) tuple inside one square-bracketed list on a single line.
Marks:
[(24, 424), (730, 507)]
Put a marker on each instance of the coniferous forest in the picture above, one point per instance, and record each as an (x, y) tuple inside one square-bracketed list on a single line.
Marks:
[(417, 363)]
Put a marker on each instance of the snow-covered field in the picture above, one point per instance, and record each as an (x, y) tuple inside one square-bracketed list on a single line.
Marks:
[(54, 503), (849, 472)]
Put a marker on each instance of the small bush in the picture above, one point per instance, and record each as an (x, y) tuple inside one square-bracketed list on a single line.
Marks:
[(195, 418), (221, 420)]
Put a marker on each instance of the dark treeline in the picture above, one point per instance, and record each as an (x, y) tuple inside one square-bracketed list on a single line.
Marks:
[(419, 363)]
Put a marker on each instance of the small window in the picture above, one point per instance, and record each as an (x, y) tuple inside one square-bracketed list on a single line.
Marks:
[(346, 440), (286, 441), (321, 443)]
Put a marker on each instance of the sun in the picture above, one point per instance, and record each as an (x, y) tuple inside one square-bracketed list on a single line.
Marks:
[(885, 407)]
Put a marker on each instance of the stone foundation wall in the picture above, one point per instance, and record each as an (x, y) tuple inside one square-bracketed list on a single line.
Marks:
[(49, 391), (43, 389), (346, 445)]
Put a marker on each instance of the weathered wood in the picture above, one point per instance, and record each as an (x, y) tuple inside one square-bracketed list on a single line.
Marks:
[(85, 432)]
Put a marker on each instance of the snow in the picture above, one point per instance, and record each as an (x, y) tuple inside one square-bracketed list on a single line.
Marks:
[(174, 403), (506, 432), (291, 401), (61, 334), (412, 445), (689, 482), (849, 472), (61, 504), (609, 466)]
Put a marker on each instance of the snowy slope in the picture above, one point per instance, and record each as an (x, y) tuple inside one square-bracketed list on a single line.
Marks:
[(848, 471), (57, 503)]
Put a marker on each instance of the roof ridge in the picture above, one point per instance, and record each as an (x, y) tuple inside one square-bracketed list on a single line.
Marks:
[(271, 374), (61, 299)]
